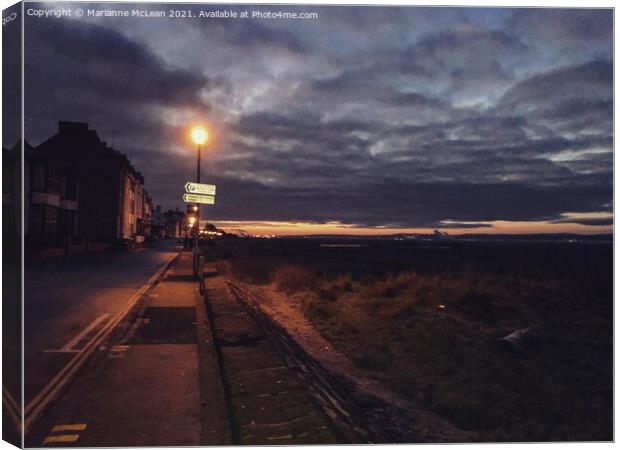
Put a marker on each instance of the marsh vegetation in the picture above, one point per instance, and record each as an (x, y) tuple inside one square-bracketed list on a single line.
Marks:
[(428, 323)]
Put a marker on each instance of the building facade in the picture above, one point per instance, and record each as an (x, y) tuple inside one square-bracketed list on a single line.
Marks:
[(158, 224), (51, 202), (111, 190), (174, 221), (80, 195)]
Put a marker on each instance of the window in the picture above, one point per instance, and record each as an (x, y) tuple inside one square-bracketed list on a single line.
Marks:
[(67, 223), (43, 220), (51, 220), (71, 220), (38, 177), (36, 219), (54, 178), (71, 188)]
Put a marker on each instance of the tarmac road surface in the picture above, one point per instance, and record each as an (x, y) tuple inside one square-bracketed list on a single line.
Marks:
[(68, 301)]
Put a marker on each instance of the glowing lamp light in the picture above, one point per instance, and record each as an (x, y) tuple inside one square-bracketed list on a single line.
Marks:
[(199, 135)]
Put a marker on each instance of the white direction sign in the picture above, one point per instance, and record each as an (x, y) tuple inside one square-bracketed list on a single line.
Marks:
[(199, 198), (197, 188)]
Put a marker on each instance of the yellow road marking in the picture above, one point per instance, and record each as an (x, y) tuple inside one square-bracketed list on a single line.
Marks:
[(9, 398), (69, 427), (61, 351), (76, 340), (277, 438), (61, 438), (119, 348), (12, 408)]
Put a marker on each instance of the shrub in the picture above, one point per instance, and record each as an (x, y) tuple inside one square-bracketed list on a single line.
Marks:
[(223, 267), (291, 279), (391, 285), (405, 310), (343, 283), (327, 293), (315, 310), (374, 357), (330, 290), (426, 294), (251, 270), (478, 304)]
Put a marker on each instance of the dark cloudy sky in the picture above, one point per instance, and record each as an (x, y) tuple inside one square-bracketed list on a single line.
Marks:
[(365, 119)]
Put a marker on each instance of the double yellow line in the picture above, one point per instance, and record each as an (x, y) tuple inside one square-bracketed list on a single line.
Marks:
[(56, 438), (12, 408), (51, 391)]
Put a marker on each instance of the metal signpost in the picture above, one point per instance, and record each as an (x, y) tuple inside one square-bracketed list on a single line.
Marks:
[(199, 198), (197, 188), (198, 193)]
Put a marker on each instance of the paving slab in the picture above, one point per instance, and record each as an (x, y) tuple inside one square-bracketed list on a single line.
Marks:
[(146, 397), (270, 404)]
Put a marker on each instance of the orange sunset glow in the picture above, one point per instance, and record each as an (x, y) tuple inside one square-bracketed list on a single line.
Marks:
[(491, 227)]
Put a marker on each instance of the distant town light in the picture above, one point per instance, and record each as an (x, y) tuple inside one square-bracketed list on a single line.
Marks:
[(199, 135)]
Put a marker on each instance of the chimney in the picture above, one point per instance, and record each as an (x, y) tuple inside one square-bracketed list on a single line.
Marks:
[(72, 126)]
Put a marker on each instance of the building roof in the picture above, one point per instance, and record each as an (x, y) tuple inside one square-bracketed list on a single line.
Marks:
[(82, 148), (14, 153)]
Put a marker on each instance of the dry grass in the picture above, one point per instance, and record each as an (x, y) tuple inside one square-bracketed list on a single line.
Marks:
[(447, 357), (291, 279), (434, 337)]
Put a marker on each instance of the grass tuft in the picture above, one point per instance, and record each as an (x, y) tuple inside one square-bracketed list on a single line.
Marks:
[(291, 279)]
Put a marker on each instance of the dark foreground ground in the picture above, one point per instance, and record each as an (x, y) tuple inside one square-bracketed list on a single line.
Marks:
[(426, 319), (162, 371)]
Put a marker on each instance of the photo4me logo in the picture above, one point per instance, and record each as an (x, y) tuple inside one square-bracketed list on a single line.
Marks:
[(8, 19)]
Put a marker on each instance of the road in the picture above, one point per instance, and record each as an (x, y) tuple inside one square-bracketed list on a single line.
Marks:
[(176, 368), (143, 384), (68, 300)]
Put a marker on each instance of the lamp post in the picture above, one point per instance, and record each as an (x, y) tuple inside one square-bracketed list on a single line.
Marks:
[(199, 136)]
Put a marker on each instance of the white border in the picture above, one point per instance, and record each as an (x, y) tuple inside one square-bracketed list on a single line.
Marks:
[(477, 3)]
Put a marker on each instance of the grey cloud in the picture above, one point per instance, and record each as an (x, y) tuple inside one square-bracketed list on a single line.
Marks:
[(591, 81), (115, 84), (98, 62), (591, 222), (249, 34), (409, 129), (404, 204), (456, 225), (564, 28)]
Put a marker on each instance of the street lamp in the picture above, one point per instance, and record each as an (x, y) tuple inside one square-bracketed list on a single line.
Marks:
[(199, 136)]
